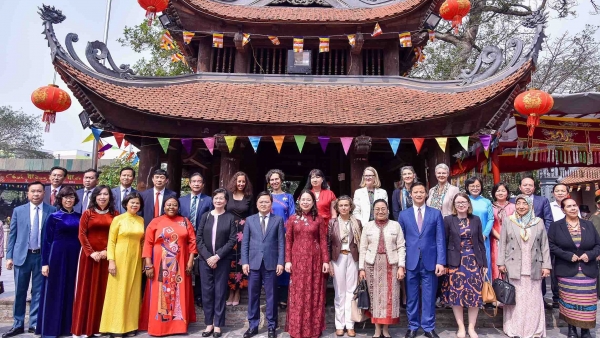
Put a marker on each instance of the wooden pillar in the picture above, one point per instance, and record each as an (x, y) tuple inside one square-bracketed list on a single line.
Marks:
[(230, 162), (496, 165), (359, 160), (391, 58), (354, 60), (204, 54), (149, 156), (241, 55), (174, 166)]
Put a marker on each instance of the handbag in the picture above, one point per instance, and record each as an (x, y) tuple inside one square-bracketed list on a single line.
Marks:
[(1, 288), (505, 292), (487, 291), (361, 294), (357, 315)]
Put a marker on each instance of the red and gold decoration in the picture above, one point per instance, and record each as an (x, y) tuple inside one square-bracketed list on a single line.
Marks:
[(377, 30), (533, 103), (420, 56), (298, 45), (405, 40), (178, 57), (166, 41), (352, 39), (323, 45), (218, 40), (431, 34), (274, 40), (51, 100), (187, 37), (245, 39), (152, 7), (455, 11)]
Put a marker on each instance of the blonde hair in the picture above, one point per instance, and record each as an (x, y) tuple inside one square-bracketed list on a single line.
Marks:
[(376, 181), (465, 196)]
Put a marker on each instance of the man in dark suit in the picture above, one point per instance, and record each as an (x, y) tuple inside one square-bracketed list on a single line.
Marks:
[(425, 236), (24, 255), (193, 206), (153, 198), (90, 181), (263, 256), (126, 177), (57, 177)]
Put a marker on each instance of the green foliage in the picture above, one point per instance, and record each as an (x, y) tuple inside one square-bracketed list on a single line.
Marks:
[(20, 135), (111, 173), (146, 39)]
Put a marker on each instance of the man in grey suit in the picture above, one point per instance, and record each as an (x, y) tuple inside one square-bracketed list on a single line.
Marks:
[(90, 181), (263, 257), (126, 177), (57, 177), (24, 255)]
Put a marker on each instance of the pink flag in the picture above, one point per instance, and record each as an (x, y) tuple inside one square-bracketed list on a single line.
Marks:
[(187, 144), (485, 141), (324, 140), (210, 143), (346, 142)]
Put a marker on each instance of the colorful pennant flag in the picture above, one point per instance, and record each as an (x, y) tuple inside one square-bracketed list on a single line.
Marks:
[(100, 146), (323, 45), (119, 138), (324, 141), (431, 35), (394, 143), (135, 160), (298, 45), (130, 156), (177, 57), (96, 133), (187, 37), (245, 39), (114, 148), (230, 140), (126, 144), (187, 145), (300, 141), (346, 142), (485, 141), (254, 141), (166, 41), (442, 141), (486, 153), (419, 54), (274, 40), (352, 39), (377, 30), (89, 138), (418, 143), (405, 40), (164, 143), (218, 40), (105, 148), (210, 143), (278, 140), (123, 153), (464, 141)]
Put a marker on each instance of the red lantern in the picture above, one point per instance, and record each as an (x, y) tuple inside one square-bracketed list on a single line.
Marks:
[(152, 7), (51, 100), (455, 11), (532, 104)]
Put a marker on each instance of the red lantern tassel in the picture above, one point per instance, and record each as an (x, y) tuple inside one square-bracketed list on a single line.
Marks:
[(532, 121), (48, 117), (457, 21), (150, 15)]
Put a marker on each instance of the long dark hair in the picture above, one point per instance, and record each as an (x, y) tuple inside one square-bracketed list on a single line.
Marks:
[(96, 192), (232, 185), (318, 173), (313, 211)]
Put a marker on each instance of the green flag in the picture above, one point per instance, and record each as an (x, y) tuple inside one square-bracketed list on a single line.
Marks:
[(164, 143), (464, 141), (300, 141)]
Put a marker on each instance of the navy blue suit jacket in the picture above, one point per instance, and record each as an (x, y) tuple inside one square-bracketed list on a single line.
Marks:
[(204, 205), (541, 208), (48, 193), (430, 244), (148, 198), (20, 227), (116, 192), (269, 248), (79, 206)]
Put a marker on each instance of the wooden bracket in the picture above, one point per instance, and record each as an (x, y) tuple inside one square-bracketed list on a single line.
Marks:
[(358, 44)]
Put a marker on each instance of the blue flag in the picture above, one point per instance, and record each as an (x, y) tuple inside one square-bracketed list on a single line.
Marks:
[(394, 143)]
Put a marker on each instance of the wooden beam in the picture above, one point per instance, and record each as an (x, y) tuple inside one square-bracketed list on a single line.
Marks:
[(149, 156)]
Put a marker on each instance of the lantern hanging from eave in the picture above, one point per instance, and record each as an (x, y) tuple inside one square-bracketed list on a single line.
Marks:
[(533, 103), (51, 100), (455, 11), (152, 7)]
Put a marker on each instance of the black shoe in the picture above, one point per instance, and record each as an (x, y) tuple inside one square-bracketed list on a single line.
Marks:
[(431, 334), (585, 333), (13, 332), (272, 333), (207, 333), (411, 334), (555, 305), (572, 332), (31, 329), (217, 334), (251, 332)]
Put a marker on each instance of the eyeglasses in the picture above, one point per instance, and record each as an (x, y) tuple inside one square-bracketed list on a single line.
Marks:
[(69, 198), (380, 209), (461, 203)]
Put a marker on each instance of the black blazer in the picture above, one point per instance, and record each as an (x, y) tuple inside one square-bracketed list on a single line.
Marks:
[(226, 236), (563, 248), (453, 258)]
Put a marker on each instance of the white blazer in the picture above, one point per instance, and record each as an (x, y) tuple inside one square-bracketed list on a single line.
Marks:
[(362, 204)]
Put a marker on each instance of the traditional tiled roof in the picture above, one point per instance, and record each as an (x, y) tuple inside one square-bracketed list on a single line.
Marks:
[(582, 176), (279, 100)]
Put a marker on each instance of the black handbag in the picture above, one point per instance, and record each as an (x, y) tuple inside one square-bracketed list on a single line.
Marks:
[(361, 294), (1, 288), (505, 292)]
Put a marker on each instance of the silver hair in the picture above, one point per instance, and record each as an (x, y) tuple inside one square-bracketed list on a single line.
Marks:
[(442, 166)]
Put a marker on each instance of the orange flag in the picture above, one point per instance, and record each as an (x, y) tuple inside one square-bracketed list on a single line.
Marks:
[(278, 142)]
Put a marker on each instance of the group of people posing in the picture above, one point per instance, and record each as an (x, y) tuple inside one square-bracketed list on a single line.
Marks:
[(116, 261)]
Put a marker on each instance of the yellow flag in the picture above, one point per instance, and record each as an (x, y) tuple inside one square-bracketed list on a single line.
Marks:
[(89, 138), (442, 142), (230, 140)]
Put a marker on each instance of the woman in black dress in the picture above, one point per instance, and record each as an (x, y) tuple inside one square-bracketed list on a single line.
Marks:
[(241, 205)]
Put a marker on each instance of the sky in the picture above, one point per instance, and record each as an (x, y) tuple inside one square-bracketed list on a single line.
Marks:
[(25, 58)]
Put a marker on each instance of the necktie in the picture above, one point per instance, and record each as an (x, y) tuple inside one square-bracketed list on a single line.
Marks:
[(34, 236), (420, 219), (263, 224), (156, 206), (86, 195), (53, 196), (122, 197), (193, 210)]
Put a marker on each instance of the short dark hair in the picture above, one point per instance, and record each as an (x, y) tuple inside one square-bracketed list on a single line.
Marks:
[(556, 185), (470, 181), (160, 172), (264, 193), (313, 211), (130, 197), (197, 174), (92, 171), (221, 191), (318, 173), (416, 184), (96, 192), (165, 203), (344, 198), (64, 192), (380, 200), (529, 177), (562, 203), (35, 183), (275, 171), (495, 189), (59, 168), (127, 168)]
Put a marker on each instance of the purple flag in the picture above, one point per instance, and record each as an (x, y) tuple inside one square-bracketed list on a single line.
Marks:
[(324, 140), (106, 147), (485, 141), (187, 144)]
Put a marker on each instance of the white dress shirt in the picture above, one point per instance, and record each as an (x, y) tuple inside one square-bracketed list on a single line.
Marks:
[(266, 220), (160, 199), (31, 216), (557, 213), (345, 224), (416, 210)]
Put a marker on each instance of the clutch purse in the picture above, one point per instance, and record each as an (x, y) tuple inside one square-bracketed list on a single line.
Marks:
[(505, 292)]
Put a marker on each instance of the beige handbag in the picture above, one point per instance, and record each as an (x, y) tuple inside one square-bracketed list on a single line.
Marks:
[(357, 314)]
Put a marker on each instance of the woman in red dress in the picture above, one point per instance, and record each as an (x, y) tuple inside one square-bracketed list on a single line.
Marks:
[(306, 260), (169, 250), (325, 198), (93, 266), (502, 209)]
